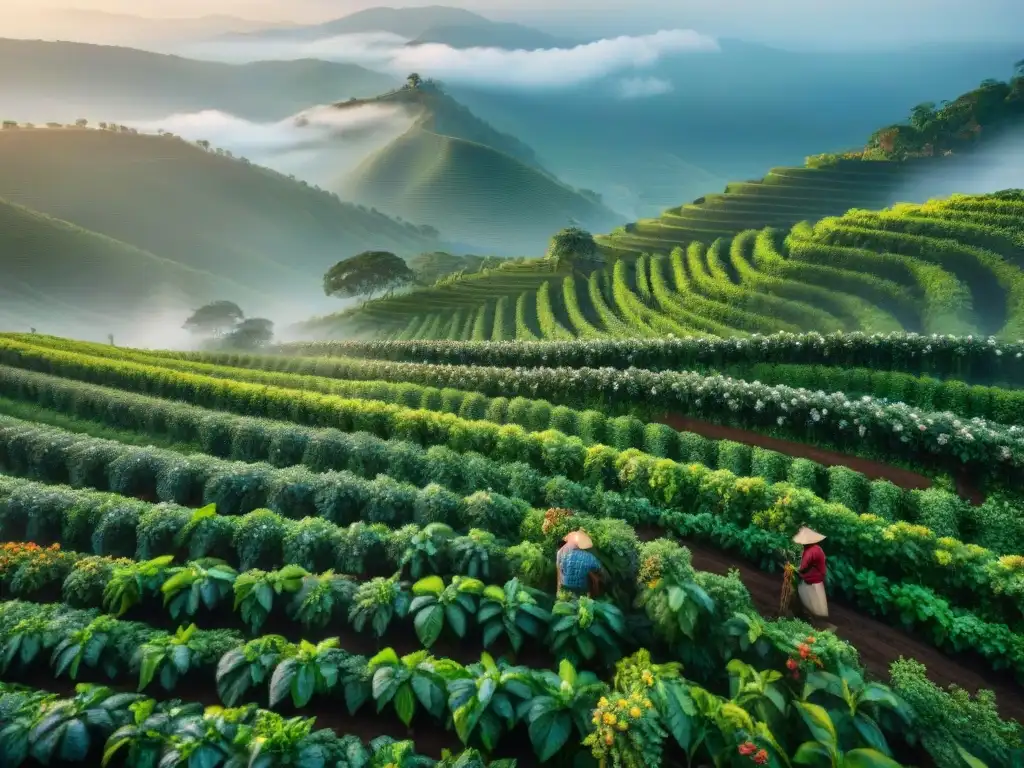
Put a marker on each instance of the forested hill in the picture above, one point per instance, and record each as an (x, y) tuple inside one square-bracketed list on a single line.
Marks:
[(931, 130)]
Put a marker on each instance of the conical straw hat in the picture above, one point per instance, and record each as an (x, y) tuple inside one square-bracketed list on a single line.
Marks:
[(579, 538), (806, 536)]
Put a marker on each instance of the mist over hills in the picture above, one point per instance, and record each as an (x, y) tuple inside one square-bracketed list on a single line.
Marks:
[(208, 225), (527, 133)]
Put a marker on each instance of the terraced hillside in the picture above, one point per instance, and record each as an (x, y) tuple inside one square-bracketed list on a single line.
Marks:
[(946, 266), (195, 210), (475, 184), (936, 151), (330, 538)]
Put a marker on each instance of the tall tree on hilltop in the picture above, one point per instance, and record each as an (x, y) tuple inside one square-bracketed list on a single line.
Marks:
[(414, 80), (572, 244), (366, 274), (214, 319)]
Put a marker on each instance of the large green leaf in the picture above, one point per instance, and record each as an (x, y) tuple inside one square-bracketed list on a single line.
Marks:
[(431, 585), (304, 684), (428, 624), (405, 704), (456, 619), (74, 742), (281, 681), (549, 732), (871, 733), (819, 722)]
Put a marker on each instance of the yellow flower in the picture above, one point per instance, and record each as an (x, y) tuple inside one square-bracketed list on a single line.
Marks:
[(647, 677), (635, 712), (596, 720), (653, 583), (609, 718), (602, 702), (648, 704), (621, 703)]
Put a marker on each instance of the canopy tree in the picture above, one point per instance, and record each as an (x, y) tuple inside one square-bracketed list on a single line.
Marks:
[(251, 333), (214, 319), (572, 244), (366, 274)]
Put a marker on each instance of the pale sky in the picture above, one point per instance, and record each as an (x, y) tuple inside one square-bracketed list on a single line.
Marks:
[(860, 22)]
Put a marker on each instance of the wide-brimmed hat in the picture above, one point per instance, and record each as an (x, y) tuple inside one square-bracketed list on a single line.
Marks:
[(807, 536), (579, 538)]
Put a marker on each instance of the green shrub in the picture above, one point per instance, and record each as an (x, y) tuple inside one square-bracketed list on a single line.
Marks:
[(848, 487), (804, 473), (940, 511), (771, 465), (887, 500), (948, 718), (735, 457), (694, 449), (660, 440)]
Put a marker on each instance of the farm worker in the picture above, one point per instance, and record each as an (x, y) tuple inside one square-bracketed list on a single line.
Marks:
[(812, 573), (575, 564)]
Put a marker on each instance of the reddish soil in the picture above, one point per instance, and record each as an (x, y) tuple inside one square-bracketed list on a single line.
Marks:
[(879, 644), (874, 470)]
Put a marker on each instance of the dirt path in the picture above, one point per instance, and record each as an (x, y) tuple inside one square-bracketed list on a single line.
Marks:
[(879, 644), (874, 470)]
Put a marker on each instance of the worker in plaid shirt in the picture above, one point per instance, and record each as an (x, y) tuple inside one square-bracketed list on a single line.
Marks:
[(575, 564)]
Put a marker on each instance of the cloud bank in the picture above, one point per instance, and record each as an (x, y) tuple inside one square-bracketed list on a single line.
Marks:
[(318, 144), (554, 68)]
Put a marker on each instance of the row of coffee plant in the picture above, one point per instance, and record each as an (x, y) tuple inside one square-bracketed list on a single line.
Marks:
[(99, 725), (974, 359), (164, 659), (650, 714), (83, 644), (318, 544), (994, 525), (284, 444), (897, 431), (204, 590), (964, 573), (857, 424), (927, 393)]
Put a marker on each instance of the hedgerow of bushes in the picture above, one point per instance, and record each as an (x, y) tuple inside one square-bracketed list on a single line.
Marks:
[(988, 448), (940, 561), (974, 359)]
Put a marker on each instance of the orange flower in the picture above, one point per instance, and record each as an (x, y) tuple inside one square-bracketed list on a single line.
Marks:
[(791, 664), (761, 757), (805, 650), (747, 748)]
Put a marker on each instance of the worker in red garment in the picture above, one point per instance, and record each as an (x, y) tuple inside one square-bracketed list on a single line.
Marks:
[(812, 573)]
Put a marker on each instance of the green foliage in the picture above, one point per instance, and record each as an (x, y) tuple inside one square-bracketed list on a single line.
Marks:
[(366, 274)]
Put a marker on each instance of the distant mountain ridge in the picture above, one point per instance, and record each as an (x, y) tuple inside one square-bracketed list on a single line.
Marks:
[(456, 27), (62, 81)]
